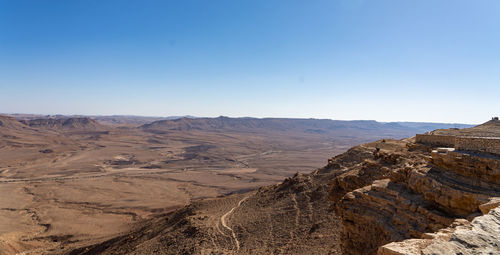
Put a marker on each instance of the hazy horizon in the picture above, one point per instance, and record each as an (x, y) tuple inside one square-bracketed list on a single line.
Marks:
[(217, 116), (386, 60)]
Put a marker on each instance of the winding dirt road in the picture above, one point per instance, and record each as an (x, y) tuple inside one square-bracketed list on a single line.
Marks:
[(224, 224)]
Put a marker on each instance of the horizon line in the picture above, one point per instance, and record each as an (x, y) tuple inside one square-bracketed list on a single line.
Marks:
[(239, 117)]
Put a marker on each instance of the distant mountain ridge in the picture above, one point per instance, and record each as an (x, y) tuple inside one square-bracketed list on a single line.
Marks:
[(320, 126), (103, 119), (132, 119), (9, 122), (430, 125), (64, 123), (487, 129), (185, 122)]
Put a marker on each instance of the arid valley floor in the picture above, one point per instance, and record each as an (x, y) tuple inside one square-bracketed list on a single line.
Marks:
[(71, 182)]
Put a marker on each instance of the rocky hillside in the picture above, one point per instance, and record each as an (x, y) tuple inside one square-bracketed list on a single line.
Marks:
[(405, 192), (294, 217)]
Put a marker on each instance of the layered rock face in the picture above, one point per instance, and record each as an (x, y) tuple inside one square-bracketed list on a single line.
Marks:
[(481, 169), (404, 192), (481, 236)]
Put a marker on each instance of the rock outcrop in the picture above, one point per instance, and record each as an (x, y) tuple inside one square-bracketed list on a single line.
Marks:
[(407, 190), (481, 236)]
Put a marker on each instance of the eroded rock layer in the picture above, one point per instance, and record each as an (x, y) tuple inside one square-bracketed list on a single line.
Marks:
[(481, 236), (403, 192)]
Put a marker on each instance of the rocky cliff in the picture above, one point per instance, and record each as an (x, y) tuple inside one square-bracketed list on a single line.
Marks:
[(404, 191)]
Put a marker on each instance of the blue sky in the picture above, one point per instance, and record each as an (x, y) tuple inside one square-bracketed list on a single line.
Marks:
[(393, 60)]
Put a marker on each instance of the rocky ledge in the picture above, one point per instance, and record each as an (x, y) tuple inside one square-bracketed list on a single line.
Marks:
[(481, 236), (406, 191)]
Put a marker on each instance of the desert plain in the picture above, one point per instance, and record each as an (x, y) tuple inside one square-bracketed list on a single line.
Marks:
[(74, 181)]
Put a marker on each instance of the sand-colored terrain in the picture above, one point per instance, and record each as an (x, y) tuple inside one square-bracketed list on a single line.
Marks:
[(72, 182), (388, 197), (70, 186)]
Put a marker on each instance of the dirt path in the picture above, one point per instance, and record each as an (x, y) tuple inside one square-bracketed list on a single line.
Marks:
[(223, 222)]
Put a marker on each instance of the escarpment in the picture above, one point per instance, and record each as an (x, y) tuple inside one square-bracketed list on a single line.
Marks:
[(407, 190)]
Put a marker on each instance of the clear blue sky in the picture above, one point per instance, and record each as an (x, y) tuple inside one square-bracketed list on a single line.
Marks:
[(423, 60)]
